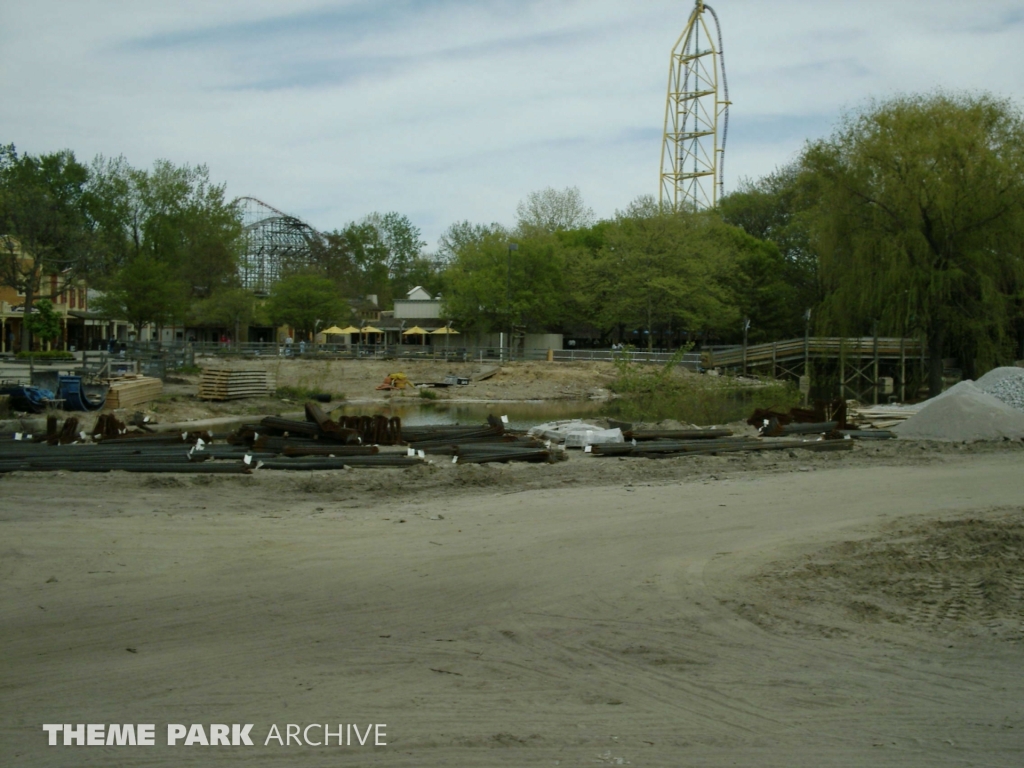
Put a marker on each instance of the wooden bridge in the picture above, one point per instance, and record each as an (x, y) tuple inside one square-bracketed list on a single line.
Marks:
[(865, 367)]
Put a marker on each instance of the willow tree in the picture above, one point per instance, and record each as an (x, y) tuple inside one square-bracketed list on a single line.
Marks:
[(918, 220)]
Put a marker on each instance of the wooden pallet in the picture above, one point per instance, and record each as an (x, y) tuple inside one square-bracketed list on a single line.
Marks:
[(130, 391), (221, 384)]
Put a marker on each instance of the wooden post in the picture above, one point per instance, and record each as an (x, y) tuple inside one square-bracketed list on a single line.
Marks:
[(903, 370), (842, 369), (775, 346), (875, 352)]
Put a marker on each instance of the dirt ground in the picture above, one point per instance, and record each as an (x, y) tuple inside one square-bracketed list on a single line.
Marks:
[(356, 381), (855, 608)]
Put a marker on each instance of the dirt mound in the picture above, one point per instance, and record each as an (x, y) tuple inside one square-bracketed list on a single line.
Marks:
[(957, 576), (964, 413)]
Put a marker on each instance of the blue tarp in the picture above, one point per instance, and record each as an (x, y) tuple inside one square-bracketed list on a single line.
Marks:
[(26, 398)]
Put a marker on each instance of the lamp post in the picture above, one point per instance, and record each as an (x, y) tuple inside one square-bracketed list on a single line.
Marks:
[(746, 328), (806, 382), (508, 295)]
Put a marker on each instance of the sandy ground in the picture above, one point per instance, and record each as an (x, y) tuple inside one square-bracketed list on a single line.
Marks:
[(835, 609), (358, 379)]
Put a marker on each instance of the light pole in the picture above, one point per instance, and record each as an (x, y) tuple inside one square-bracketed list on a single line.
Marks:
[(806, 383), (746, 328), (508, 295)]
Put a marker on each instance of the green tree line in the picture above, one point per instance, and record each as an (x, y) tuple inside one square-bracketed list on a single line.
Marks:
[(907, 220)]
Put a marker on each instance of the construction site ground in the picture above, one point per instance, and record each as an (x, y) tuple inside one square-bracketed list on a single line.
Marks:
[(852, 608)]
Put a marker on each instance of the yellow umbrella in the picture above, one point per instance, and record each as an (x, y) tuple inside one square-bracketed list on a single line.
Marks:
[(414, 331), (349, 329), (332, 331)]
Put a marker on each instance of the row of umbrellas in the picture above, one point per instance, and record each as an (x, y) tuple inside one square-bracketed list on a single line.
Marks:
[(414, 331)]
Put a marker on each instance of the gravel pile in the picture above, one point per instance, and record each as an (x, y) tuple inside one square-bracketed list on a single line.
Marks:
[(964, 413), (1005, 383)]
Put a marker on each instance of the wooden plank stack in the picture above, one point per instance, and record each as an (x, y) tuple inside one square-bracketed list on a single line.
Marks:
[(880, 416), (130, 391), (222, 384)]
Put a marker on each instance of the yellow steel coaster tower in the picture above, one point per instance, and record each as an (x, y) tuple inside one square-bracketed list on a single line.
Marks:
[(696, 117)]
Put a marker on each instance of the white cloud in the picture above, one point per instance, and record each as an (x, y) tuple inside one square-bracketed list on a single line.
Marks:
[(453, 109)]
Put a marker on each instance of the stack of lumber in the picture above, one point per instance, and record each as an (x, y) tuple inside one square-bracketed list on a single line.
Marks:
[(223, 384), (880, 416), (129, 391)]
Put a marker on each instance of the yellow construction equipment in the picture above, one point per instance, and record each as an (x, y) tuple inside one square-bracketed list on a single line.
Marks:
[(396, 381)]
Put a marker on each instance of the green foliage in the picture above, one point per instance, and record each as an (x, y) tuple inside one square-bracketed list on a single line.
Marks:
[(306, 302), (45, 224), (44, 322), (773, 210), (146, 291), (385, 251), (51, 354), (428, 394), (171, 214), (233, 308), (917, 212), (488, 287), (653, 393), (656, 269)]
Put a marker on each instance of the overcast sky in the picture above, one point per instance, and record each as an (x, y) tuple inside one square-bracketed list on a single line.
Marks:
[(456, 109)]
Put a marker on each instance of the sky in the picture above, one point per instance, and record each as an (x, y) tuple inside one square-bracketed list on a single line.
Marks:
[(451, 110)]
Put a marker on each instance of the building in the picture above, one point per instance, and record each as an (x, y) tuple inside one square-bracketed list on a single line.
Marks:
[(80, 328)]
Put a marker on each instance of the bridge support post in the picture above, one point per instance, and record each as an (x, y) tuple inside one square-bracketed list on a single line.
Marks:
[(842, 369), (903, 370), (874, 383)]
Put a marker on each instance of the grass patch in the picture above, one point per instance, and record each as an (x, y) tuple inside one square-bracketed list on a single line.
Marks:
[(653, 393), (428, 394)]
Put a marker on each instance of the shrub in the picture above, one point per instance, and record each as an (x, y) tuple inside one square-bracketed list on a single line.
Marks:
[(654, 393), (53, 354)]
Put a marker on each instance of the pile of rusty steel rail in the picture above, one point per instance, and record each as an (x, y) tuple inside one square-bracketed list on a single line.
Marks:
[(829, 419), (483, 444), (658, 444), (318, 442), (274, 443)]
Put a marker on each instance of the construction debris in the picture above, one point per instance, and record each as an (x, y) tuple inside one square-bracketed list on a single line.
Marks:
[(225, 384), (130, 391), (656, 449)]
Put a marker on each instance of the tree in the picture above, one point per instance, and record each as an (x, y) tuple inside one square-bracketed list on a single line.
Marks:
[(551, 210), (144, 292), (172, 214), (774, 209), (306, 302), (384, 248), (45, 228), (659, 269), (489, 288), (461, 234), (44, 322), (918, 217), (228, 307)]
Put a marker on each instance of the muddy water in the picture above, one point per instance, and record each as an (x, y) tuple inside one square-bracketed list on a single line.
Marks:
[(521, 414)]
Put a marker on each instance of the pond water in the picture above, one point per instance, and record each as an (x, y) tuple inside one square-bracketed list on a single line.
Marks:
[(521, 414)]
